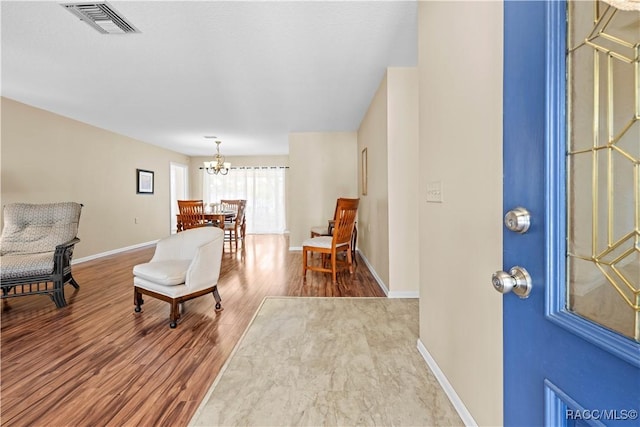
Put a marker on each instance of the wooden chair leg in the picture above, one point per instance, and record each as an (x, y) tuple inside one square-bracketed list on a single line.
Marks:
[(304, 262), (137, 300), (175, 314), (216, 296), (333, 267)]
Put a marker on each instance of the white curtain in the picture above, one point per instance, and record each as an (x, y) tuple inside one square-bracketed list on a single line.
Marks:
[(262, 187)]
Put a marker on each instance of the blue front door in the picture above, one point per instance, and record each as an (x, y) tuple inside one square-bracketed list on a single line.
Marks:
[(560, 367)]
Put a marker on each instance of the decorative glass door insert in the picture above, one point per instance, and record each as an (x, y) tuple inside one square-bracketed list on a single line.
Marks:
[(603, 165)]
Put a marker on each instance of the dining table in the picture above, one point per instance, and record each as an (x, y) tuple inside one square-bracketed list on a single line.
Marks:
[(216, 218)]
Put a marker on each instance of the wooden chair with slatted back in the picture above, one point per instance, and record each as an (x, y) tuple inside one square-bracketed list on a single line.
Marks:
[(243, 226), (230, 205), (234, 230), (233, 205), (191, 213), (327, 230), (340, 241)]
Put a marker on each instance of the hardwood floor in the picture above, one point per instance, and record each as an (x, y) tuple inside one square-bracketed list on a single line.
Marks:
[(97, 363)]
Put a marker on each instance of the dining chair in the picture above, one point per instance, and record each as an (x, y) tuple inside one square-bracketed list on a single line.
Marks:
[(230, 205), (191, 213), (243, 226), (327, 230), (234, 230), (340, 241)]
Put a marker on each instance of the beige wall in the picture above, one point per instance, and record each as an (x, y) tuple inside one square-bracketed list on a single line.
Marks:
[(402, 158), (373, 212), (460, 78), (323, 167), (388, 214), (50, 158)]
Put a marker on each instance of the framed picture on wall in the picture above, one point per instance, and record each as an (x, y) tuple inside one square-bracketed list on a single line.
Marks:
[(365, 172), (144, 181)]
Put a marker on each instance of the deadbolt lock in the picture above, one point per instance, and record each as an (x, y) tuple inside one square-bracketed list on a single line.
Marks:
[(518, 220)]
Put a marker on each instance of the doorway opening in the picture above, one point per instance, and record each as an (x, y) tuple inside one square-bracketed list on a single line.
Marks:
[(179, 190)]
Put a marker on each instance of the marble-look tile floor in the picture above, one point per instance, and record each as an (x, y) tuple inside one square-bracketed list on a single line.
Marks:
[(328, 362)]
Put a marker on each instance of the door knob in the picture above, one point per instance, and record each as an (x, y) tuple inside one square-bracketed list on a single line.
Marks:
[(516, 280)]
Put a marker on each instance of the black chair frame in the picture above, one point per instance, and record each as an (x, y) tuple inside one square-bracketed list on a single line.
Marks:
[(46, 284)]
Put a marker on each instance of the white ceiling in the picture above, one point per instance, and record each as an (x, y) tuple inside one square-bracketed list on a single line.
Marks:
[(247, 72)]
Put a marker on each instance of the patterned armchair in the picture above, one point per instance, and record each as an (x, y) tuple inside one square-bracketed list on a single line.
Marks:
[(36, 247)]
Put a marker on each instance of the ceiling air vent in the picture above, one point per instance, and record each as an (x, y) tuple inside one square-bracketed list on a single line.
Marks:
[(101, 16)]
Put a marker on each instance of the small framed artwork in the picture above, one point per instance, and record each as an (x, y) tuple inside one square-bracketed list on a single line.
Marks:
[(144, 181), (365, 172)]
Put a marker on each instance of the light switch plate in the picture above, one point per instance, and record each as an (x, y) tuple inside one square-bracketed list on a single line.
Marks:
[(434, 192)]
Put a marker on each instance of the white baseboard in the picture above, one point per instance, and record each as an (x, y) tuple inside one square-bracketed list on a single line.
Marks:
[(462, 410), (403, 294), (383, 286), (113, 252), (381, 283)]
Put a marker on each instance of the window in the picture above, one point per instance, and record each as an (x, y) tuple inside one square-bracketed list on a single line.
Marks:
[(262, 187)]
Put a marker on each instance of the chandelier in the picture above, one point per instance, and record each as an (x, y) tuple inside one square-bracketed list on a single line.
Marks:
[(218, 165)]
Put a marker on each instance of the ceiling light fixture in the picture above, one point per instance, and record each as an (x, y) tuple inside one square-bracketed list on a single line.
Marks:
[(218, 165)]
